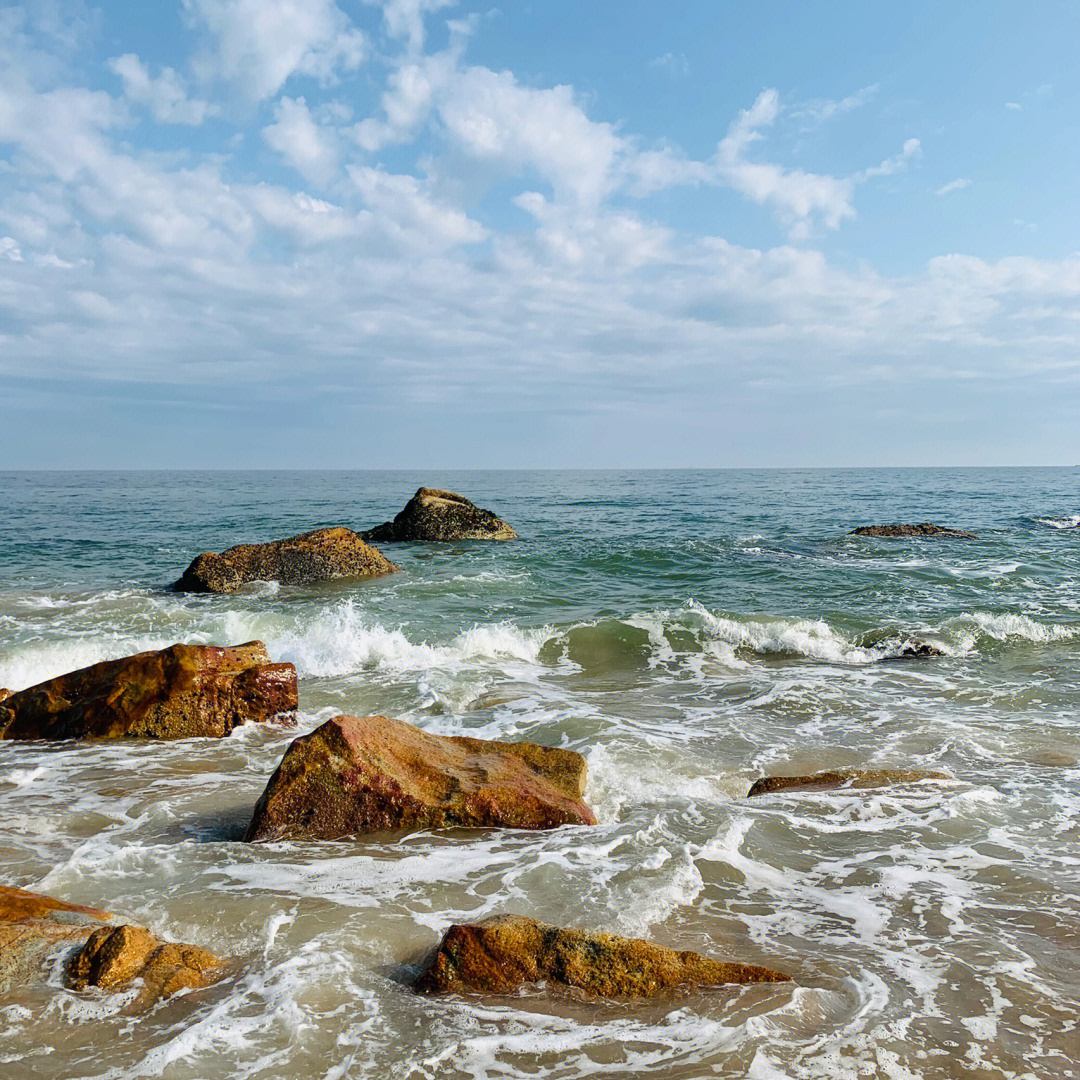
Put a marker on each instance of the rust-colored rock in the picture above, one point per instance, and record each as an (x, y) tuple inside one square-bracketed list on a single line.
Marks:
[(503, 952), (179, 692), (320, 555), (5, 693), (354, 775), (114, 956), (842, 778), (432, 514), (925, 528)]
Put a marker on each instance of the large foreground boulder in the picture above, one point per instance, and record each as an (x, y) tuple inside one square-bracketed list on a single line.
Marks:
[(503, 952), (355, 775), (321, 555), (36, 931), (842, 778), (179, 692), (432, 514), (925, 528)]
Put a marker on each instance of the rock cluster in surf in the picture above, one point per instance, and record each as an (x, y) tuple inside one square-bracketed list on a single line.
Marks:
[(842, 778), (436, 515), (925, 528)]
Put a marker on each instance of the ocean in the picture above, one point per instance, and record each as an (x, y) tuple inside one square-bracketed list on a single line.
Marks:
[(687, 632)]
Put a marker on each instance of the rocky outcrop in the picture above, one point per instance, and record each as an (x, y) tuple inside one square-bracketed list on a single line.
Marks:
[(432, 514), (925, 528), (842, 778), (915, 648), (321, 555), (355, 775), (179, 692), (36, 930), (501, 953)]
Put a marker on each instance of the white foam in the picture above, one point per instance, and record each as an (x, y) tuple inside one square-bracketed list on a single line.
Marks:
[(1070, 522)]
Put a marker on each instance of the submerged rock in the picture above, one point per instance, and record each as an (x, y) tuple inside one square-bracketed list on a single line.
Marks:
[(925, 528), (354, 775), (179, 692), (320, 555), (498, 954), (432, 514), (842, 778), (36, 930), (915, 648)]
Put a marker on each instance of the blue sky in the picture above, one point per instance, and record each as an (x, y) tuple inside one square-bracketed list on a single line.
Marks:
[(323, 233)]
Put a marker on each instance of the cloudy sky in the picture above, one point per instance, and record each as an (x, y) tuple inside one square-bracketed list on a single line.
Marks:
[(347, 233)]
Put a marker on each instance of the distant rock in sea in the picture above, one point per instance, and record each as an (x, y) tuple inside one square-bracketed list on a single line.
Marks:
[(842, 778), (183, 691), (925, 528), (36, 930), (432, 514), (355, 775), (503, 952), (320, 555)]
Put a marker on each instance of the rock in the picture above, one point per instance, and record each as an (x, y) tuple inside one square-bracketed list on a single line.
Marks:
[(498, 954), (5, 693), (842, 778), (926, 528), (441, 515), (179, 692), (321, 555), (914, 648), (35, 930), (354, 775)]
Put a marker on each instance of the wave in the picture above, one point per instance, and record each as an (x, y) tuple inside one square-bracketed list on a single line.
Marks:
[(1071, 522)]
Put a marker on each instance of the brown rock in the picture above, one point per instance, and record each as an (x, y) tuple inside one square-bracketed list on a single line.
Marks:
[(842, 778), (354, 775), (498, 954), (432, 514), (5, 693), (925, 528), (178, 692), (114, 956), (321, 555)]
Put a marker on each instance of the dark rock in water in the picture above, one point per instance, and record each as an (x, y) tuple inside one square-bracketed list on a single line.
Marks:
[(915, 648), (321, 555), (926, 528), (174, 693), (501, 953), (441, 515), (35, 930), (842, 778), (354, 775)]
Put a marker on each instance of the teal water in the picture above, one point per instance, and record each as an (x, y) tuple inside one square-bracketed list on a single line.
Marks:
[(687, 632)]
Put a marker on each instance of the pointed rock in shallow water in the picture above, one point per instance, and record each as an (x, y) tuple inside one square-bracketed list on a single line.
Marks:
[(499, 954), (356, 775), (432, 514), (320, 555), (842, 778), (179, 692), (925, 528)]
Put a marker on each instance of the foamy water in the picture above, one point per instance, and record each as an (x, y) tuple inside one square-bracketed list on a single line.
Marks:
[(687, 633)]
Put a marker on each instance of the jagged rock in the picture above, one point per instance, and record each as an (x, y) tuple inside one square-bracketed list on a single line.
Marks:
[(925, 528), (5, 693), (500, 953), (355, 775), (179, 692), (842, 778), (36, 930), (915, 648), (432, 514), (321, 555)]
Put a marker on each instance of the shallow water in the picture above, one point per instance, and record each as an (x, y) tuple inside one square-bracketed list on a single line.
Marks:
[(687, 632)]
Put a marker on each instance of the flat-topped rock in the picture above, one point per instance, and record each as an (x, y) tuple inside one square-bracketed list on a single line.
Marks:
[(36, 931), (432, 514), (355, 775), (925, 528), (179, 692), (842, 778), (320, 555), (501, 953)]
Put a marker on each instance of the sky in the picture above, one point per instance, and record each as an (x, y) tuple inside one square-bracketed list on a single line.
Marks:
[(612, 233)]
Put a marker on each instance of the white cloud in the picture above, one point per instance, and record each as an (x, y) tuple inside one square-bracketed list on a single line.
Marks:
[(9, 249), (824, 109), (303, 143), (1015, 105), (166, 96), (259, 44), (953, 185), (673, 63), (912, 149), (405, 19)]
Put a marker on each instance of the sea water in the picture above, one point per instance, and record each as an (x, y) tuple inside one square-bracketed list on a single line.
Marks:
[(687, 632)]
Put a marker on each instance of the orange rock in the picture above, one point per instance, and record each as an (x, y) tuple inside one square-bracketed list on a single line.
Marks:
[(432, 514), (498, 954), (320, 555), (842, 778), (178, 692), (354, 775)]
